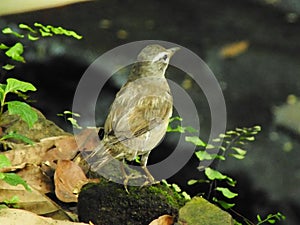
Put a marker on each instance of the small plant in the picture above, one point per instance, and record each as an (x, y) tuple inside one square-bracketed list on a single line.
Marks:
[(10, 203), (22, 109), (14, 86), (10, 178), (70, 116), (231, 144), (14, 54), (271, 218)]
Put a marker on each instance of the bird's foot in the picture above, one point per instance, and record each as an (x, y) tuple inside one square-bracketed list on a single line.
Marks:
[(149, 178)]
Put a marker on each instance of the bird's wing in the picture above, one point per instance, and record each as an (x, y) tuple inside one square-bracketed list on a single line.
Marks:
[(134, 116)]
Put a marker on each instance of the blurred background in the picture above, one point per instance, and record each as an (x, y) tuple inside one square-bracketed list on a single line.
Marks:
[(252, 47)]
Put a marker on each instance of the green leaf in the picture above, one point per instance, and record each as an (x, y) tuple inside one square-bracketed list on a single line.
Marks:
[(258, 218), (186, 195), (60, 30), (251, 138), (4, 161), (50, 30), (191, 129), (239, 150), (24, 110), (216, 140), (191, 182), (74, 123), (2, 88), (231, 181), (176, 187), (2, 175), (8, 30), (163, 181), (271, 218), (42, 27), (224, 136), (32, 38), (226, 192), (210, 146), (13, 200), (214, 174), (224, 204), (3, 46), (8, 67), (26, 27), (178, 129), (15, 52), (231, 132), (175, 118), (44, 33), (195, 140), (237, 156), (14, 179), (13, 135), (14, 85), (203, 155), (67, 112)]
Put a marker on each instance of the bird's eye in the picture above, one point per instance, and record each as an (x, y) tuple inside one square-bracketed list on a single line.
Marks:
[(165, 57)]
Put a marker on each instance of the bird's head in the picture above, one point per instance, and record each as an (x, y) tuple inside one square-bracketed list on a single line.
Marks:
[(153, 60)]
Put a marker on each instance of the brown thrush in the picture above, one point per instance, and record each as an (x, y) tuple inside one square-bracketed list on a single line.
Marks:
[(140, 113)]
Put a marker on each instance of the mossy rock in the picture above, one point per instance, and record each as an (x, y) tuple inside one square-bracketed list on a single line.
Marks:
[(198, 211), (42, 128), (108, 203)]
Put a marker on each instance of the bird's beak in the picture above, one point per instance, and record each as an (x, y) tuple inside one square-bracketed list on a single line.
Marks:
[(173, 50)]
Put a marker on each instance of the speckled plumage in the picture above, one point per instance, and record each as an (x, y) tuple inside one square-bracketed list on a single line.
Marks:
[(140, 113)]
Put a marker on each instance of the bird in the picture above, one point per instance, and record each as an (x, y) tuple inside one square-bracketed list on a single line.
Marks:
[(139, 115)]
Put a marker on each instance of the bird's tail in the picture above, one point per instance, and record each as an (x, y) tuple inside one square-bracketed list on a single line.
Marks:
[(101, 161)]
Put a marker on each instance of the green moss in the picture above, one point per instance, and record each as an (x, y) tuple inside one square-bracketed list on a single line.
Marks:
[(109, 203)]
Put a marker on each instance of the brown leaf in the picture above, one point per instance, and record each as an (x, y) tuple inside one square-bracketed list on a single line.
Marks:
[(88, 139), (36, 178), (18, 216), (63, 148), (32, 201), (68, 180), (163, 220)]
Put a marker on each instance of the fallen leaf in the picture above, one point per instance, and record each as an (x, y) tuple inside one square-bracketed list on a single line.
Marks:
[(234, 49), (163, 220), (68, 180), (32, 201), (87, 139), (18, 216), (36, 178), (64, 148)]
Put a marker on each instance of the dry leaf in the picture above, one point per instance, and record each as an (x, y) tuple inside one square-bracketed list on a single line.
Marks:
[(234, 49), (163, 220), (68, 180), (22, 217), (88, 139), (32, 201), (64, 148), (36, 178)]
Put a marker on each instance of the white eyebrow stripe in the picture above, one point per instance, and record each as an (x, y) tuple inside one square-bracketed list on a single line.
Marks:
[(158, 56)]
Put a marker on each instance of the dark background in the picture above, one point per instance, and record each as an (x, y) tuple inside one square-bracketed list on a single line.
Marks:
[(253, 82)]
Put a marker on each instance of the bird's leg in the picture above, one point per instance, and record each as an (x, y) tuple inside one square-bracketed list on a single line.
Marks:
[(126, 176), (144, 160)]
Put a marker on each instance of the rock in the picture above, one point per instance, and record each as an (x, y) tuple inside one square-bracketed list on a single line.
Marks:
[(109, 203), (198, 211), (42, 128)]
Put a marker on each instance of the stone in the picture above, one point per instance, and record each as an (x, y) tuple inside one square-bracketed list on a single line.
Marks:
[(199, 211)]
